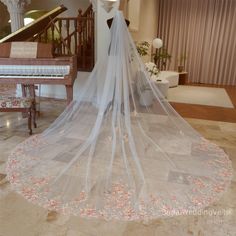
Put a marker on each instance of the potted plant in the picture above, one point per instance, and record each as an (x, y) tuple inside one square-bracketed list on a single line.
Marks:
[(182, 60), (152, 69), (161, 57), (146, 96), (143, 48)]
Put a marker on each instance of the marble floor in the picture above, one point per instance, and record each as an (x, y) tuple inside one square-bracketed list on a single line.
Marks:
[(20, 218)]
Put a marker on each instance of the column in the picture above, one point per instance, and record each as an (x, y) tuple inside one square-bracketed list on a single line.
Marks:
[(16, 10)]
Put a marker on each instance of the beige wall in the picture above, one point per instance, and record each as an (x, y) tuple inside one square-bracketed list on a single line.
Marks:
[(147, 22)]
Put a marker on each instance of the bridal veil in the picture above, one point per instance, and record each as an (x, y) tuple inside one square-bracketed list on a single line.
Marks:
[(122, 153)]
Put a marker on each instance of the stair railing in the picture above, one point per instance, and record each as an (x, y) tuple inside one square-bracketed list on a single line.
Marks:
[(72, 36)]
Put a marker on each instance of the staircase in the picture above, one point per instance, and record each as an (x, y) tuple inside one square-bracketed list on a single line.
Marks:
[(72, 36), (85, 30)]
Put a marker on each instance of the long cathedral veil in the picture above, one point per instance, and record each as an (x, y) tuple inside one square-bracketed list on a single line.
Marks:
[(120, 151)]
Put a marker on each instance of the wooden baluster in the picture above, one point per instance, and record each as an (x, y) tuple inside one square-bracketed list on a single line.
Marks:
[(53, 33), (80, 32), (54, 46), (84, 43), (45, 36), (60, 46), (67, 34), (88, 23), (92, 42), (75, 37), (89, 42)]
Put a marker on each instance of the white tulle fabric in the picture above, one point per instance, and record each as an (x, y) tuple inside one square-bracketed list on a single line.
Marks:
[(120, 151)]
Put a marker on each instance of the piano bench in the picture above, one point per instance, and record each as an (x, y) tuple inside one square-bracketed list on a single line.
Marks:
[(25, 105)]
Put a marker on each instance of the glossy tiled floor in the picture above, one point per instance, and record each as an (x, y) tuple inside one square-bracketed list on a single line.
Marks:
[(20, 218)]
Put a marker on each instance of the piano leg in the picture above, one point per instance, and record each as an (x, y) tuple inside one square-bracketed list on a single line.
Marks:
[(69, 93), (30, 121), (28, 90), (34, 113)]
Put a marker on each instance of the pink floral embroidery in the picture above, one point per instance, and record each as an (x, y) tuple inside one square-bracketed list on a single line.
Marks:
[(14, 178), (82, 197), (119, 198), (199, 183), (219, 188), (53, 204), (39, 181), (29, 193)]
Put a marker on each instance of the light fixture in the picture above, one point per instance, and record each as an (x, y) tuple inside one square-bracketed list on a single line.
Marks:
[(157, 43), (108, 5), (28, 20), (33, 15)]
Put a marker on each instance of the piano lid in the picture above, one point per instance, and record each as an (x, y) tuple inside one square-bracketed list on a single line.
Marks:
[(35, 27)]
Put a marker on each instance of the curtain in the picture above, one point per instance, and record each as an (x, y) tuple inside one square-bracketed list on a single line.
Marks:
[(204, 31)]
